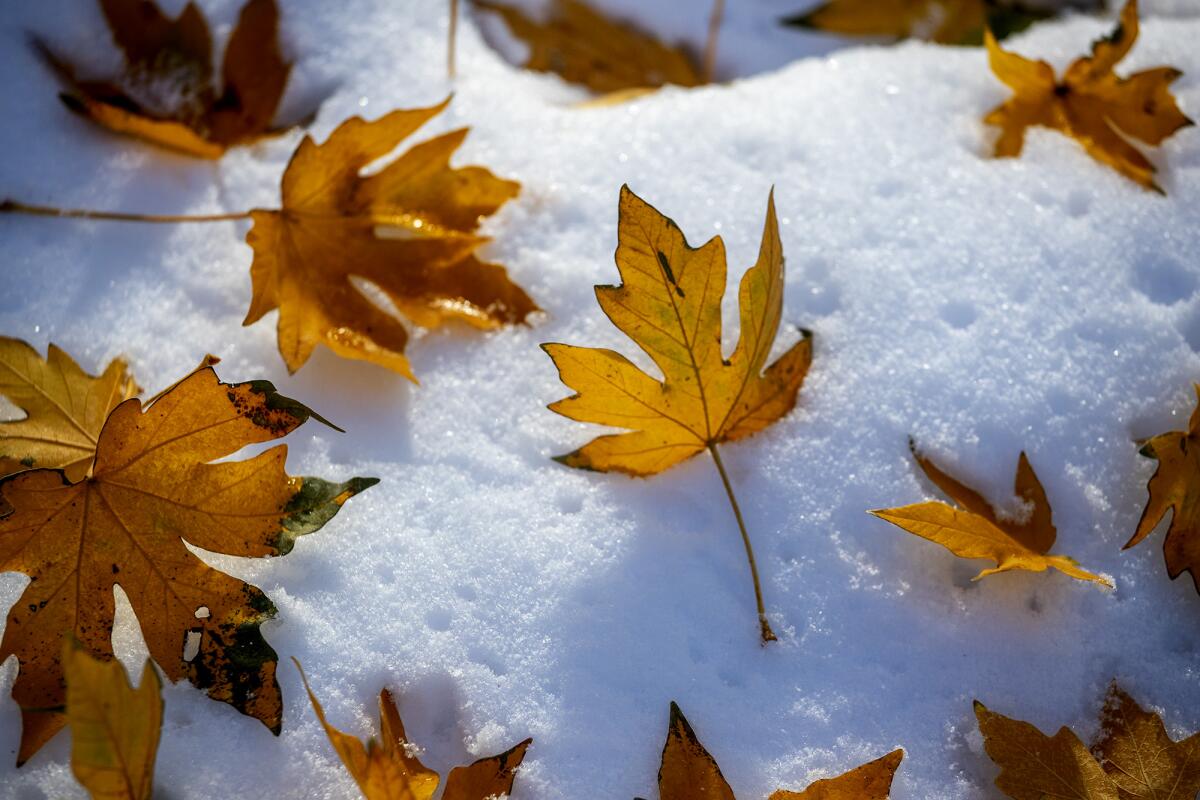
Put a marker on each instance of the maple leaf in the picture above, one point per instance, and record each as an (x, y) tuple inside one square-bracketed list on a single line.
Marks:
[(1175, 486), (152, 488), (388, 769), (64, 407), (670, 304), (581, 45), (973, 529), (1134, 757), (943, 21), (166, 93), (1090, 104), (407, 229), (114, 728), (688, 771), (1034, 766), (1139, 756)]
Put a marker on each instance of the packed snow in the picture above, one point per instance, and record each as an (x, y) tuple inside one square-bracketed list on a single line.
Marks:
[(1045, 304)]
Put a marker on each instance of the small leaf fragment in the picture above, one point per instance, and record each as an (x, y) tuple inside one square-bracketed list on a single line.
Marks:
[(871, 781), (974, 530), (1090, 103), (114, 728)]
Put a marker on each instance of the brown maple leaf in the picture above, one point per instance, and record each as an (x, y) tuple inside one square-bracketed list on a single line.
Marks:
[(689, 772), (581, 45), (166, 93), (153, 487), (973, 529), (387, 768), (1090, 104), (1137, 759), (408, 229), (944, 21), (1138, 755), (64, 407), (1175, 486)]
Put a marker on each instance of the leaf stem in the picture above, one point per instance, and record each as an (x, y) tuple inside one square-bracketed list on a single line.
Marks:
[(453, 35), (13, 207), (710, 46), (765, 627)]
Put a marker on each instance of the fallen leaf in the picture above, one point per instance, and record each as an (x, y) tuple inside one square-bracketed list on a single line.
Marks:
[(960, 22), (166, 94), (1139, 756), (408, 229), (114, 728), (1034, 766), (1090, 104), (670, 304), (871, 781), (1133, 758), (689, 772), (154, 487), (64, 407), (973, 529), (388, 769), (1175, 486), (581, 45)]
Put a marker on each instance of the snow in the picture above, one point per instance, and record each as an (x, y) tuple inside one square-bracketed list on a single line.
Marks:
[(982, 306)]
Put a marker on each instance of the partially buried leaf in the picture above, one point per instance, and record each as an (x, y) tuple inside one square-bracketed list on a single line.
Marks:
[(1090, 104), (689, 772), (1138, 755), (153, 488), (1175, 487), (581, 45), (64, 407), (387, 768), (973, 529), (408, 229), (943, 21), (114, 728), (166, 93), (1134, 758)]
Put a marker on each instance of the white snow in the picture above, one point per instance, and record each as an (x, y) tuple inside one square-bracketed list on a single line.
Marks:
[(985, 307)]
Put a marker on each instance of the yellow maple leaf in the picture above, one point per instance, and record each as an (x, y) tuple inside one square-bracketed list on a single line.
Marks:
[(1090, 104), (407, 229), (387, 768), (175, 55), (688, 772), (1134, 757), (64, 407), (670, 304), (1175, 487), (153, 487), (114, 728), (975, 530), (581, 45)]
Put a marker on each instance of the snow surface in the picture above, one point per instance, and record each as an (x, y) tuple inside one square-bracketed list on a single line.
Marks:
[(985, 307)]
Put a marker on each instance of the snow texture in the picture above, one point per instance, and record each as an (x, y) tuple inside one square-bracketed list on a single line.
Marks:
[(983, 306)]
